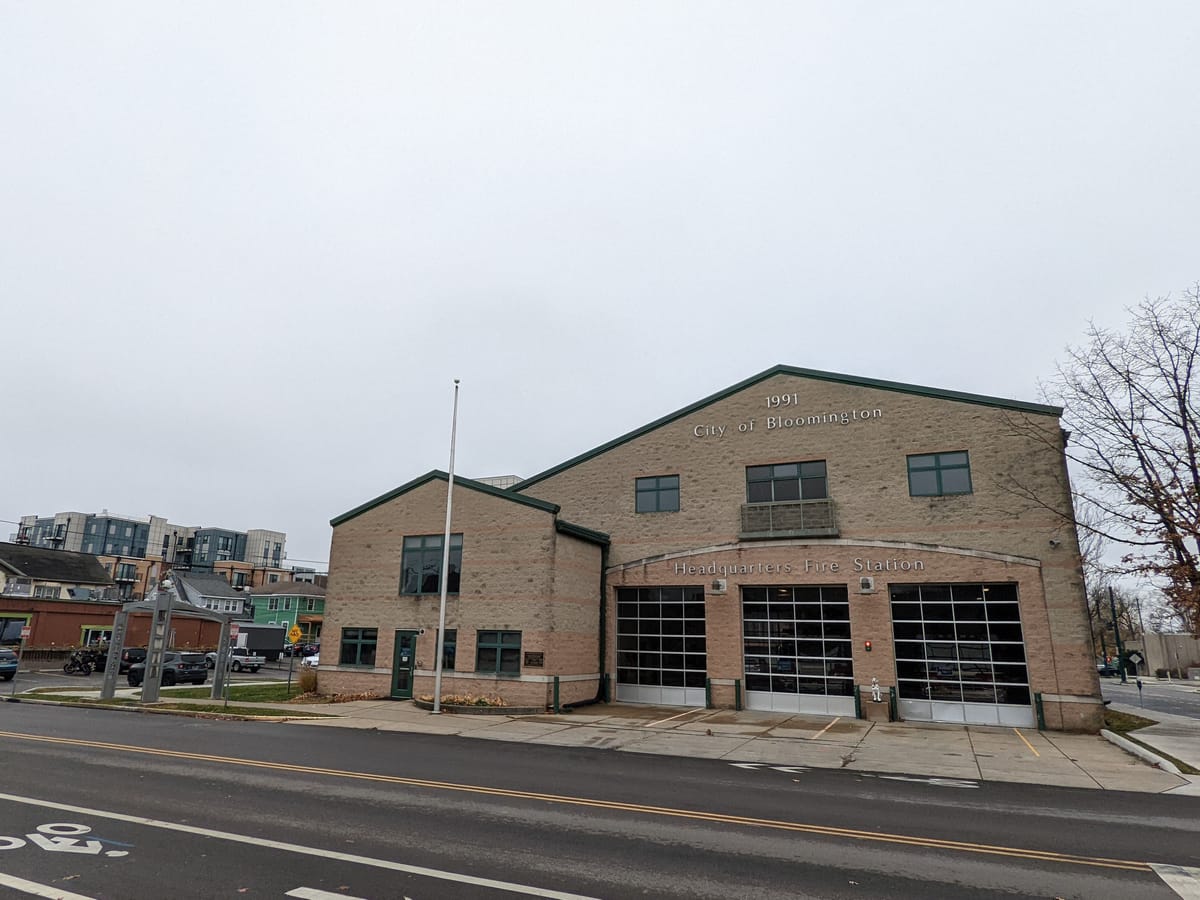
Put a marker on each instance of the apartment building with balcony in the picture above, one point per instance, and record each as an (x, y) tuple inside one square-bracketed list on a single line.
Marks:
[(781, 545), (131, 547)]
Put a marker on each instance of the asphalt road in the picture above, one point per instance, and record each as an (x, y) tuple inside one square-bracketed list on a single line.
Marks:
[(1178, 698), (116, 804)]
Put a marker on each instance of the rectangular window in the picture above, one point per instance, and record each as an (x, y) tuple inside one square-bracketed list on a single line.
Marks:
[(657, 494), (272, 579), (273, 604), (786, 482), (498, 652), (47, 592), (287, 602), (421, 564), (939, 474), (358, 646), (312, 604), (449, 649)]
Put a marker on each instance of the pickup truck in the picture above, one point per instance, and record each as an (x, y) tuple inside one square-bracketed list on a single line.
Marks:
[(239, 658)]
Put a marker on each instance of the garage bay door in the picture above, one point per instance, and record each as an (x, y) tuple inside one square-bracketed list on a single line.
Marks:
[(960, 654), (661, 649), (796, 642)]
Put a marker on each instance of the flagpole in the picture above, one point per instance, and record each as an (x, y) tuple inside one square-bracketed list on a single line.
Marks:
[(445, 574)]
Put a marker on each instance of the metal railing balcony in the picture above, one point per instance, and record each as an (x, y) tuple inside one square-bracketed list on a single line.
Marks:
[(793, 518)]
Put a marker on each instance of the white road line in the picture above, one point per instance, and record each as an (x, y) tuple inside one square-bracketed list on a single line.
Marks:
[(318, 852), (1183, 880), (825, 729), (38, 890), (686, 712), (304, 893)]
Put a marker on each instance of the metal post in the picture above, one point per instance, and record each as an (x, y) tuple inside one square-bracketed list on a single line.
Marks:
[(160, 629), (1112, 603), (557, 708), (858, 701), (445, 574), (737, 694), (708, 693), (1041, 711), (116, 646)]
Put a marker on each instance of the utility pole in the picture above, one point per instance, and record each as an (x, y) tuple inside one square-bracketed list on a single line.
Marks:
[(1112, 603)]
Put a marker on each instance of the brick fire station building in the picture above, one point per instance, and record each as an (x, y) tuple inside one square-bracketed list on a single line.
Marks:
[(777, 545)]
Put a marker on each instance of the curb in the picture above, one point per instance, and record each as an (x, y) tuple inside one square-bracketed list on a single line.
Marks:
[(150, 710), (1141, 752)]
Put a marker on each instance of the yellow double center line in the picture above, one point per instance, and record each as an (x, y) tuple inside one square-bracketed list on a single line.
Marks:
[(746, 821)]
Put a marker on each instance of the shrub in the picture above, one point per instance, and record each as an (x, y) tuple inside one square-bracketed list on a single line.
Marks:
[(308, 680), (1160, 673), (466, 700)]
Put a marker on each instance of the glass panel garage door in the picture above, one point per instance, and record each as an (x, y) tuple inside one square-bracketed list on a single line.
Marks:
[(661, 648), (960, 654), (796, 642)]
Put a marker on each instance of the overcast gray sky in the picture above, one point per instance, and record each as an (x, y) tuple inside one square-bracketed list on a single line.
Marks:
[(245, 248)]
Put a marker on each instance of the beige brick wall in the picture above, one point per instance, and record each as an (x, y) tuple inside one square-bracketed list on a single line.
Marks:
[(867, 476), (518, 574)]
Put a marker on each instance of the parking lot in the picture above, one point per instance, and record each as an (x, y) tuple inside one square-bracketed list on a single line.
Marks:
[(41, 674)]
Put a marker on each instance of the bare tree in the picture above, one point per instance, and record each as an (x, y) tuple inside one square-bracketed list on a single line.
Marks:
[(1134, 417)]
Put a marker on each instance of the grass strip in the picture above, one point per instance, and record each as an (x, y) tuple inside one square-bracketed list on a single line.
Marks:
[(1125, 724)]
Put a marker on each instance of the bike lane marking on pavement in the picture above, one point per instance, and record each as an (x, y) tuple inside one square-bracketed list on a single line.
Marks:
[(267, 843), (1182, 880), (699, 815)]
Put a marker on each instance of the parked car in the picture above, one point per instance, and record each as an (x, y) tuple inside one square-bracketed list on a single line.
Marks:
[(178, 668), (8, 664), (239, 658), (312, 661), (1107, 669), (129, 656)]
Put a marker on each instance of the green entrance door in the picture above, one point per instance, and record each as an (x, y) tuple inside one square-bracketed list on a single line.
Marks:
[(403, 659)]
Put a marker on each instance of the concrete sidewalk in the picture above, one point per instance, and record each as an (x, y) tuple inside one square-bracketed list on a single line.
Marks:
[(781, 739)]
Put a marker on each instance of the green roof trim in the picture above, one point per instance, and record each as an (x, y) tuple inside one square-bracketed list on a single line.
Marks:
[(438, 474), (586, 534), (815, 374)]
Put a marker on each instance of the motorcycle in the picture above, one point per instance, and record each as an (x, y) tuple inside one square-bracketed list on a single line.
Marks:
[(79, 663)]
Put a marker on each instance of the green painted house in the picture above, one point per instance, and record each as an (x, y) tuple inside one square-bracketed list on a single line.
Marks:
[(290, 603)]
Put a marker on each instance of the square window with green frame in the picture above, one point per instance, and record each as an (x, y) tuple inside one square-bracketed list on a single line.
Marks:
[(498, 652), (421, 564), (358, 646), (659, 493), (939, 474), (449, 649), (785, 482)]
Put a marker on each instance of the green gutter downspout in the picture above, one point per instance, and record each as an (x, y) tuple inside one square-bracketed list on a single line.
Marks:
[(602, 687)]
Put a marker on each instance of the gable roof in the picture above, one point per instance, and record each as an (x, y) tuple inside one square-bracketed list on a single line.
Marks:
[(65, 566), (438, 474), (204, 584), (814, 374)]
